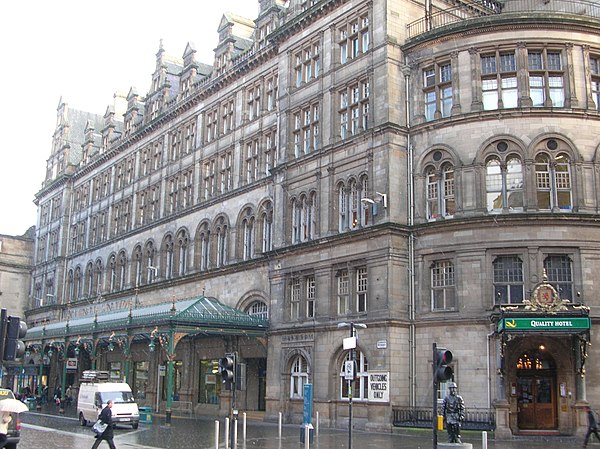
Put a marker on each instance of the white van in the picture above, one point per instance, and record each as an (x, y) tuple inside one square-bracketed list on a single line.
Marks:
[(95, 391)]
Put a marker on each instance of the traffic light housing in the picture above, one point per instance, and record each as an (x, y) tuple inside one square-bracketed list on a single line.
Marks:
[(14, 347), (227, 367), (443, 372)]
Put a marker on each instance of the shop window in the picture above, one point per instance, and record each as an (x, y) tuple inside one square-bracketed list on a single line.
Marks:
[(140, 379), (209, 385)]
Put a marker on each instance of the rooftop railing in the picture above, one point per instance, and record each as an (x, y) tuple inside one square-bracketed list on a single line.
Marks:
[(462, 12)]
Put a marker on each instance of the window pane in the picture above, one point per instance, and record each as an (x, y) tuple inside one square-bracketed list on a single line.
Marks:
[(507, 62), (488, 64)]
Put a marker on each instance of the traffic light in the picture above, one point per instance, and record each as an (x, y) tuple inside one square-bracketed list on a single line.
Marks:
[(14, 347), (227, 368), (443, 372)]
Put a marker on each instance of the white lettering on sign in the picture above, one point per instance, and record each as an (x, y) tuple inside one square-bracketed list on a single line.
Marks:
[(379, 386), (566, 323)]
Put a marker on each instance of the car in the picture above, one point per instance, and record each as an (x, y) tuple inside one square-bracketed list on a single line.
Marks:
[(14, 427)]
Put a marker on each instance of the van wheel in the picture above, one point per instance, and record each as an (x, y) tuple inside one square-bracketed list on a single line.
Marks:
[(135, 425), (82, 420), (11, 446)]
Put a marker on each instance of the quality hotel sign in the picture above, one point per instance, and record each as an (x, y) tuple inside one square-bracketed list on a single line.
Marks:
[(543, 324)]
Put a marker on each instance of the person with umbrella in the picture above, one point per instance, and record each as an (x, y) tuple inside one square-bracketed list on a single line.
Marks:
[(8, 406), (5, 420), (108, 434)]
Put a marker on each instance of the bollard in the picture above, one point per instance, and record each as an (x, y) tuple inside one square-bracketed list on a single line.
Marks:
[(280, 418), (484, 440), (244, 428), (317, 425), (226, 433), (216, 434), (306, 437), (235, 434)]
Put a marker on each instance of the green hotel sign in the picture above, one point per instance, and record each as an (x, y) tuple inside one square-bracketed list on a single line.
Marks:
[(544, 324)]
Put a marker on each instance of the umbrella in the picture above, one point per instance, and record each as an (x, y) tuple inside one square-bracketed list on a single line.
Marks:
[(12, 405)]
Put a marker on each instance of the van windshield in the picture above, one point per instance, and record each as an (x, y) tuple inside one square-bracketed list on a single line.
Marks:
[(118, 397)]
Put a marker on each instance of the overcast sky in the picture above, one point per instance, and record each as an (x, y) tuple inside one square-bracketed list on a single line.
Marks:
[(82, 52)]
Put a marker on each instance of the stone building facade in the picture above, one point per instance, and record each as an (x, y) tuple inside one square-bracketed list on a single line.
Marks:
[(16, 263), (427, 170)]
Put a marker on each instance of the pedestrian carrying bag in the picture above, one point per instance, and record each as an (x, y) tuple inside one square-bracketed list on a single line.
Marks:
[(99, 427)]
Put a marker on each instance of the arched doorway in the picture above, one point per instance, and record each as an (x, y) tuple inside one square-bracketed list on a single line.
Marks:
[(536, 391)]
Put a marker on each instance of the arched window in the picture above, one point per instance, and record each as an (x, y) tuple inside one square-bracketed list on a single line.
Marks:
[(553, 181), (89, 280), (168, 247), (204, 247), (343, 222), (360, 390), (245, 241), (137, 266), (298, 377), (504, 185), (440, 192), (266, 223), (112, 273), (258, 309), (182, 252), (78, 283), (221, 232), (70, 286), (121, 270), (98, 274), (149, 265)]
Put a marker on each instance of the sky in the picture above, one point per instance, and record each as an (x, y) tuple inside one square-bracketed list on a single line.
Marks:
[(82, 52)]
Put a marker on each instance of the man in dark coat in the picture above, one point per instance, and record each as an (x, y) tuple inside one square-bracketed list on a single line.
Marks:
[(592, 426), (108, 434)]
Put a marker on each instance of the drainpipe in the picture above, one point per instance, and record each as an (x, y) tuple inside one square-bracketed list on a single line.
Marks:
[(411, 247), (489, 369)]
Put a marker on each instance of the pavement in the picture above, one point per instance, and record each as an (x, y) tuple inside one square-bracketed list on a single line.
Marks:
[(199, 433)]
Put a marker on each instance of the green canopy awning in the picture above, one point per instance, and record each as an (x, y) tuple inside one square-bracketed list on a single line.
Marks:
[(199, 315)]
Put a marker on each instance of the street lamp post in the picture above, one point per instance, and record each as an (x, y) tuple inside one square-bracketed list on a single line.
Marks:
[(350, 343)]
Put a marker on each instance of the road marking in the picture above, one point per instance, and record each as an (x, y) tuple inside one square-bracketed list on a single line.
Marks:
[(89, 437)]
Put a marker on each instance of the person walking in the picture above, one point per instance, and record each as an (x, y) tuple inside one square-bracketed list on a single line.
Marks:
[(592, 425), (108, 434)]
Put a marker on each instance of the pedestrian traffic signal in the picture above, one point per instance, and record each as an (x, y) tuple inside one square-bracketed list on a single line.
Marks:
[(16, 329), (227, 368), (443, 372)]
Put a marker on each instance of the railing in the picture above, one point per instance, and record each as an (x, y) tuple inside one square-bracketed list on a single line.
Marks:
[(459, 13), (475, 419)]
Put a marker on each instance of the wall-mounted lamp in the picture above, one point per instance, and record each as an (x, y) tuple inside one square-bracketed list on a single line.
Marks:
[(382, 201)]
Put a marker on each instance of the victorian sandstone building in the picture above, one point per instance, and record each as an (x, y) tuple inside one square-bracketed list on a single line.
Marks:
[(426, 169)]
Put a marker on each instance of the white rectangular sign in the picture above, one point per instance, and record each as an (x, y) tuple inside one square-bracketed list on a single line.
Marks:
[(379, 386), (348, 370)]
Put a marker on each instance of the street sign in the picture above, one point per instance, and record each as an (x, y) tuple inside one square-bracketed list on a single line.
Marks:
[(308, 396), (543, 324), (379, 386), (349, 369)]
